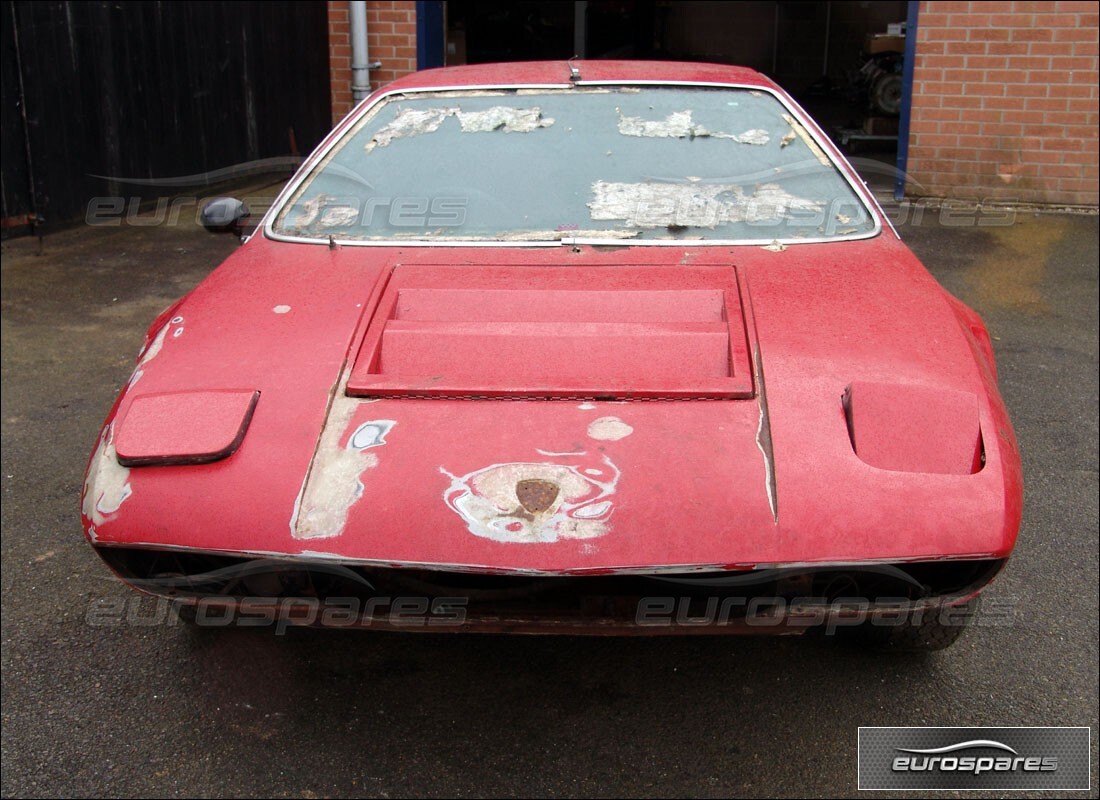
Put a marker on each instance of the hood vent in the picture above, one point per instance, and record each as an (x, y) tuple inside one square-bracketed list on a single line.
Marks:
[(556, 332)]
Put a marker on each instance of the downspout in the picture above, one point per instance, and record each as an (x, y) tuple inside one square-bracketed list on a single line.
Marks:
[(360, 55)]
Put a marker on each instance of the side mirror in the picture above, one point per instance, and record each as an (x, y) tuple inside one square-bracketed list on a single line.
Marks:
[(224, 215)]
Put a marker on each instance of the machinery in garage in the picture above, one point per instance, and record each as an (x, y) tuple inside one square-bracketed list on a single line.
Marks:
[(877, 86)]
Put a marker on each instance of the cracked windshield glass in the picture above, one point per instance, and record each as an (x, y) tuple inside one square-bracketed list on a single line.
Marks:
[(625, 163)]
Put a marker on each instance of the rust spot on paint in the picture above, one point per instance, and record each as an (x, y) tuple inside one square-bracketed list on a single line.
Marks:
[(537, 495)]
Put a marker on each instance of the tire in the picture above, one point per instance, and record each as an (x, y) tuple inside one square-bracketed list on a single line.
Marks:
[(934, 629), (886, 94), (187, 613)]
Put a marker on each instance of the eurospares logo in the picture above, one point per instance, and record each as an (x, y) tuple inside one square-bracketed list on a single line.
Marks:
[(974, 758), (950, 759)]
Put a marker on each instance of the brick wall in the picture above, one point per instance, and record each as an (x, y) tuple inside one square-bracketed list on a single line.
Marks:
[(391, 40), (1005, 102)]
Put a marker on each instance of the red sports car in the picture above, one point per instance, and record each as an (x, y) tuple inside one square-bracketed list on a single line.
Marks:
[(578, 347)]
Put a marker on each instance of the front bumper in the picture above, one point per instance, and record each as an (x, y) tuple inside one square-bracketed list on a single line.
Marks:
[(223, 590)]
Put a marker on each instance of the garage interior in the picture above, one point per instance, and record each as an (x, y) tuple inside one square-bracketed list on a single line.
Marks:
[(817, 50)]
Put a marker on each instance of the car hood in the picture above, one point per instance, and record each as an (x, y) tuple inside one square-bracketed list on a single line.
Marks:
[(593, 410)]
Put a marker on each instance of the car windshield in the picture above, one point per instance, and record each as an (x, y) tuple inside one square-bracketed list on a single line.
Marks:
[(654, 164)]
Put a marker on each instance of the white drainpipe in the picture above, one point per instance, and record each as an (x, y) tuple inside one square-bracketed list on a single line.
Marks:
[(360, 56)]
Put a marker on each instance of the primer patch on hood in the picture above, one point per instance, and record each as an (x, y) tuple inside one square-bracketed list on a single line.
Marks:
[(333, 484), (525, 502)]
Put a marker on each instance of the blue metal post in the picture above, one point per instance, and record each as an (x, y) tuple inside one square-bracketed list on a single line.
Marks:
[(906, 99), (429, 34)]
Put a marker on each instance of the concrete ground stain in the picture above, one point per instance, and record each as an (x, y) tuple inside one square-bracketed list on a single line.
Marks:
[(1011, 272)]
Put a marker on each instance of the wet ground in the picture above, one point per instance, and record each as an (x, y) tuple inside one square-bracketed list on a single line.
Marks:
[(152, 708)]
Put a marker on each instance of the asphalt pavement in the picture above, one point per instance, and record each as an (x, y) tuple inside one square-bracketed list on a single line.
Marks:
[(152, 708)]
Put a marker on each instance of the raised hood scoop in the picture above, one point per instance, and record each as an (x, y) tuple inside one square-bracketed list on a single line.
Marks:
[(556, 332)]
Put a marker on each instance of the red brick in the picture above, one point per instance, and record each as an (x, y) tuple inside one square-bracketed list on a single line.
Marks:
[(962, 101), (988, 34), (966, 20), (941, 114), (952, 6), (942, 34), (923, 126), (943, 62), (1062, 118), (1031, 35), (967, 48), (1031, 7), (1056, 20), (956, 154), (938, 140), (1010, 20), (1081, 159), (999, 104), (1081, 105), (1043, 157), (1008, 48), (1029, 89), (986, 90), (1084, 134), (1073, 63), (1031, 62), (973, 141), (1075, 35), (1045, 78), (932, 19), (1047, 48), (1082, 185), (1063, 144), (991, 62), (391, 38), (1027, 118)]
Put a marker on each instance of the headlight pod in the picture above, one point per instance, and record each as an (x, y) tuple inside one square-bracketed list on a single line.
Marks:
[(909, 428), (183, 427)]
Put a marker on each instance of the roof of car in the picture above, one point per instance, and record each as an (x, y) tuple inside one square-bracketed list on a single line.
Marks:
[(557, 72)]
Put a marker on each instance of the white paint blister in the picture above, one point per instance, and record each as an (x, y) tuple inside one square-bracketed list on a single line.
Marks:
[(609, 429), (108, 483), (577, 500)]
